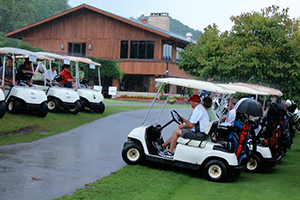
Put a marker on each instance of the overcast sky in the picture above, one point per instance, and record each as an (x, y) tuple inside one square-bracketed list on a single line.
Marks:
[(197, 14)]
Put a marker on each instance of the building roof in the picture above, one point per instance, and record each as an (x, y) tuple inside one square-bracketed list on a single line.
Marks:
[(146, 27)]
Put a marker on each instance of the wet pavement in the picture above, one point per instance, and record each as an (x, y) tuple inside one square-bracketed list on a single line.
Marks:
[(52, 167)]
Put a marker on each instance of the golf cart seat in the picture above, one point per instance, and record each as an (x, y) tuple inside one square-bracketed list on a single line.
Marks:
[(196, 143), (38, 79)]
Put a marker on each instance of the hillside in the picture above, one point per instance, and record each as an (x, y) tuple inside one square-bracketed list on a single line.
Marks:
[(176, 27)]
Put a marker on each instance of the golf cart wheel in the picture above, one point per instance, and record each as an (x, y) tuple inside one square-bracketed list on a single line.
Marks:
[(254, 165), (43, 111), (14, 106), (101, 108), (215, 170), (82, 104), (75, 109), (132, 154), (53, 105), (2, 109)]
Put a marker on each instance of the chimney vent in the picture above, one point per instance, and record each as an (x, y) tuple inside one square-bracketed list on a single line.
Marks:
[(144, 20)]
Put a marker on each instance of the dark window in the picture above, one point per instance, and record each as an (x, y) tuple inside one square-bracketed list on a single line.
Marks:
[(134, 83), (134, 48), (142, 49), (124, 49), (150, 50), (76, 49)]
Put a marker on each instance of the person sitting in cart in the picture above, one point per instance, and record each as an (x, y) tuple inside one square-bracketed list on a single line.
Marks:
[(50, 74), (211, 113), (191, 129), (24, 74), (68, 81), (81, 77), (8, 76)]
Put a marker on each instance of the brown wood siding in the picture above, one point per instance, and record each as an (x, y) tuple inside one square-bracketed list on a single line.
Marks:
[(157, 68), (85, 26)]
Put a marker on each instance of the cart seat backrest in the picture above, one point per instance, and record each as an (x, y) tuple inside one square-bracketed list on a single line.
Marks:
[(209, 126), (38, 77)]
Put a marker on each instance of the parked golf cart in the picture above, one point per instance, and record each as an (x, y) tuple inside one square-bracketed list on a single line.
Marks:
[(2, 104), (215, 160), (89, 98), (21, 97), (59, 97), (260, 154)]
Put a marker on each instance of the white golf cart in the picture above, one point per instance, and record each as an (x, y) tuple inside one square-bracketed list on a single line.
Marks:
[(89, 98), (59, 97), (217, 162), (260, 155), (21, 97)]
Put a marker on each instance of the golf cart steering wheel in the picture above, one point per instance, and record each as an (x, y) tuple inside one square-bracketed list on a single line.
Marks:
[(176, 117)]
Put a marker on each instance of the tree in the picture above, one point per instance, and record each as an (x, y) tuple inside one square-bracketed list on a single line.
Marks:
[(261, 48), (15, 14)]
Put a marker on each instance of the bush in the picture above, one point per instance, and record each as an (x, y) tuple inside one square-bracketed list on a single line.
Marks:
[(163, 97)]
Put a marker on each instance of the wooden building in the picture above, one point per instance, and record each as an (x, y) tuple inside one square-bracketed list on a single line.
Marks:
[(145, 51)]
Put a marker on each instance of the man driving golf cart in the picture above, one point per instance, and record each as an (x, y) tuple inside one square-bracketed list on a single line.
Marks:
[(24, 74), (190, 129)]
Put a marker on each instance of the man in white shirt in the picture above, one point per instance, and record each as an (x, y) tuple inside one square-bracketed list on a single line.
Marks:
[(51, 73), (193, 128)]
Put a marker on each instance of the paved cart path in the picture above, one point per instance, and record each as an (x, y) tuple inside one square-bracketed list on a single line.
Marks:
[(67, 161)]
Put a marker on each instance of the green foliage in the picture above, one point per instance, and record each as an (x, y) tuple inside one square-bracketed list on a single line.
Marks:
[(261, 48), (10, 42), (176, 27), (15, 14), (109, 68)]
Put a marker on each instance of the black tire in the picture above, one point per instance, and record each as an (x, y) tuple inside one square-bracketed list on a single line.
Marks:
[(2, 109), (215, 170), (75, 109), (14, 106), (101, 108), (43, 110), (255, 164), (132, 154), (82, 104), (53, 105)]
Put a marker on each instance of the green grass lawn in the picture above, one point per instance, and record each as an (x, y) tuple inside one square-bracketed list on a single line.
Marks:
[(156, 181), (165, 182)]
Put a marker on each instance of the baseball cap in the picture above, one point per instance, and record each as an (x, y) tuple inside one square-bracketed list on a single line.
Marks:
[(194, 98)]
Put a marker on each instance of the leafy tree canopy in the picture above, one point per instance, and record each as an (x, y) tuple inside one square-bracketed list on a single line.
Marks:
[(15, 14), (261, 48)]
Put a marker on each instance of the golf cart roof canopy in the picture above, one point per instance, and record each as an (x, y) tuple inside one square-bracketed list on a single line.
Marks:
[(12, 50), (196, 84), (82, 60), (24, 53), (243, 89), (267, 90), (51, 55)]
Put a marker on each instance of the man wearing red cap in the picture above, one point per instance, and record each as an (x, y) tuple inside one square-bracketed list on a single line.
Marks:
[(193, 128)]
